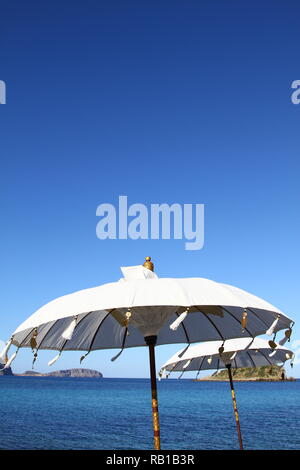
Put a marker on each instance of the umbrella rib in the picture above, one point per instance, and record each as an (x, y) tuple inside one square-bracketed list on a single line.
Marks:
[(251, 359), (200, 367), (124, 338), (101, 323), (265, 357), (176, 363), (27, 336), (250, 309), (191, 361), (210, 320), (23, 340), (56, 321), (54, 326), (231, 314)]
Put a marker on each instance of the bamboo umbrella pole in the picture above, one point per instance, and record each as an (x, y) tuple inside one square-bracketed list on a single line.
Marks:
[(151, 341), (238, 427)]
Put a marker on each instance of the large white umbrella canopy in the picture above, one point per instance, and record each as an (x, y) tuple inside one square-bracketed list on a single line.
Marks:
[(215, 311), (240, 352), (143, 309)]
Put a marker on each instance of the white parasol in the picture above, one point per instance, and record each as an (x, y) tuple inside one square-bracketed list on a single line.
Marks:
[(143, 309), (234, 353)]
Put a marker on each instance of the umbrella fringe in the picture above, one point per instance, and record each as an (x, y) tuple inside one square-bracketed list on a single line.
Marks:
[(209, 359), (10, 360), (179, 320), (292, 360), (33, 342), (187, 364), (287, 337), (272, 344), (122, 347), (68, 332), (3, 354), (50, 363), (33, 345), (244, 320), (35, 355), (221, 348), (162, 374), (283, 341), (270, 331)]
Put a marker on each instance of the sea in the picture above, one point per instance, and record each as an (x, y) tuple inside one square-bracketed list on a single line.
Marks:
[(111, 413)]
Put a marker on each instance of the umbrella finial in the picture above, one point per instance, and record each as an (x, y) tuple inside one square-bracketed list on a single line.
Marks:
[(148, 263)]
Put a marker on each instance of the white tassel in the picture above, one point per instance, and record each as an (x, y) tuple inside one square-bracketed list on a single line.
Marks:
[(187, 364), (292, 360), (288, 356), (209, 360), (10, 360), (4, 352), (270, 331), (272, 353), (283, 341), (68, 333), (287, 336), (178, 320), (54, 359), (162, 374)]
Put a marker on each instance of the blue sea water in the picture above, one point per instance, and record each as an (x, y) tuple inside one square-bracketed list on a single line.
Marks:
[(71, 413)]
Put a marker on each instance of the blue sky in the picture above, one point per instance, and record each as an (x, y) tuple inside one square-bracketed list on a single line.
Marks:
[(162, 101)]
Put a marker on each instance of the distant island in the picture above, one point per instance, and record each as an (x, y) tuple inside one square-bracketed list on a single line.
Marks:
[(255, 374), (87, 373)]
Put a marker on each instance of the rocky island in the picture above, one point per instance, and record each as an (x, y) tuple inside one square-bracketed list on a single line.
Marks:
[(255, 374), (82, 373)]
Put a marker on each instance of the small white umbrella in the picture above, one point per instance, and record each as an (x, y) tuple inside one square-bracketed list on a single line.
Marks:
[(143, 309), (235, 353)]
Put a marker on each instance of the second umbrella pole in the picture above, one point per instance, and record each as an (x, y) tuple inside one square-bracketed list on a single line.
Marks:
[(151, 341), (236, 414)]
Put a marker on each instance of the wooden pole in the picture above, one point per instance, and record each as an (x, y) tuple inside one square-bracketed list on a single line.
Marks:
[(238, 427), (151, 341)]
